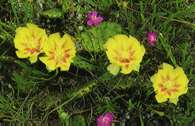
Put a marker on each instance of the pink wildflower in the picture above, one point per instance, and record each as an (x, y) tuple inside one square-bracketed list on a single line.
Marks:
[(93, 19), (105, 120), (152, 38)]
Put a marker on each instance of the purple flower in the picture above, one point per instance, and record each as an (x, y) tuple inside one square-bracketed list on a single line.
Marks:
[(93, 19), (105, 120), (152, 38)]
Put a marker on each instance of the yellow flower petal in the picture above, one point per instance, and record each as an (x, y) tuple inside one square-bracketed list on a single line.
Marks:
[(21, 54), (51, 65), (33, 59), (174, 100), (160, 98), (127, 70), (65, 67)]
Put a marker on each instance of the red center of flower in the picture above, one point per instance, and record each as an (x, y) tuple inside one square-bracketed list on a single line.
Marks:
[(168, 85), (165, 90), (37, 41), (53, 56), (125, 60), (66, 55), (32, 50)]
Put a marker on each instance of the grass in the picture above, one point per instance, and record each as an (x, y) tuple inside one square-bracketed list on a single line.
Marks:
[(30, 95)]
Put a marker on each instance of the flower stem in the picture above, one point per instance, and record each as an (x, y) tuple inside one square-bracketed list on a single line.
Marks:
[(82, 91)]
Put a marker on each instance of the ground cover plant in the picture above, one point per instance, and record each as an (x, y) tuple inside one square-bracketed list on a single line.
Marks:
[(97, 62)]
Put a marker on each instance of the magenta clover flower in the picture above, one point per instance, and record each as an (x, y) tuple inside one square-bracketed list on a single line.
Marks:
[(152, 38), (93, 19), (105, 119)]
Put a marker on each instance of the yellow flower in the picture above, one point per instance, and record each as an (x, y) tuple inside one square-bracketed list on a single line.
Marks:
[(29, 41), (125, 52), (169, 83), (59, 52)]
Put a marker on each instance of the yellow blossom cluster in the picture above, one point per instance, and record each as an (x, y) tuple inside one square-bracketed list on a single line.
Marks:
[(31, 40), (125, 53)]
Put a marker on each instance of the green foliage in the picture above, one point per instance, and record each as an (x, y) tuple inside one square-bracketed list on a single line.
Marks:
[(193, 26), (53, 13), (167, 48), (94, 39), (130, 105), (105, 4), (107, 105), (123, 83), (85, 89), (82, 63), (67, 5), (23, 8), (27, 9), (15, 8), (10, 110), (22, 83), (102, 4), (30, 95), (64, 116), (77, 120), (28, 70), (67, 120)]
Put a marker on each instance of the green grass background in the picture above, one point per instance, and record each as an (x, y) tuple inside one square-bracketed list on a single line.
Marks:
[(30, 95)]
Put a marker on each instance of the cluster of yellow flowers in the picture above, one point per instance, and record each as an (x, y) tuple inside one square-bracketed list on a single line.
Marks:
[(124, 53), (31, 40)]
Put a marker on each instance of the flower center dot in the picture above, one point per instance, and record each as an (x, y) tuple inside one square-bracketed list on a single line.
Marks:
[(168, 84)]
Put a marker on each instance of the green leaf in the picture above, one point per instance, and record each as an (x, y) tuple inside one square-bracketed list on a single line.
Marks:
[(82, 63), (30, 70), (53, 13), (167, 47), (77, 120), (124, 82), (15, 9), (24, 66), (22, 83), (104, 4), (93, 40), (130, 105), (64, 116), (27, 10), (160, 113), (66, 5), (193, 26), (90, 2)]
